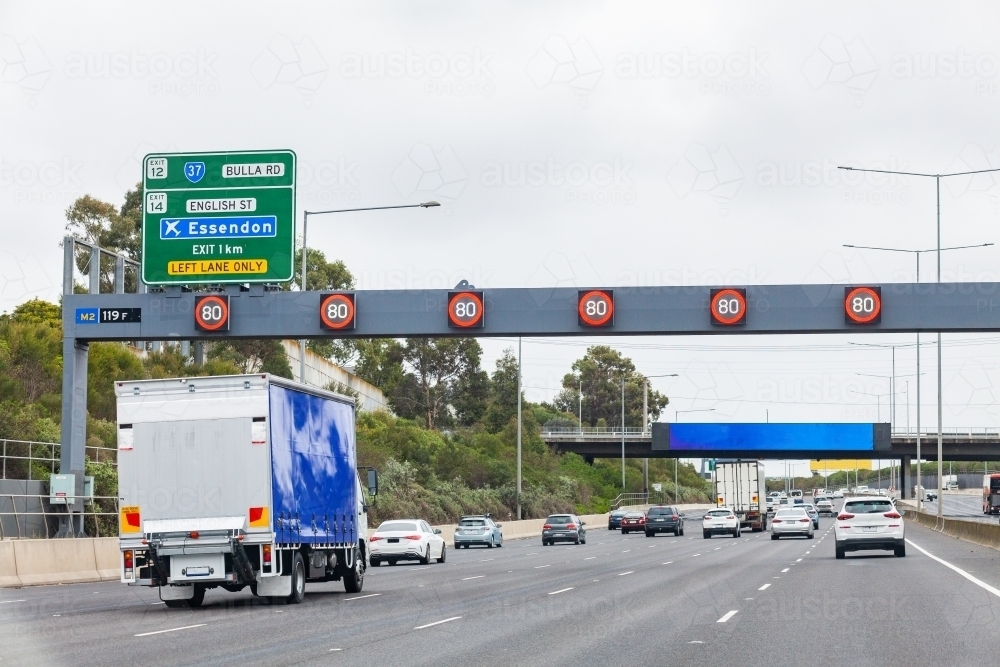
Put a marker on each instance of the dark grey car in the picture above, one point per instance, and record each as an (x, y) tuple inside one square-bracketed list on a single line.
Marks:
[(664, 519), (563, 528)]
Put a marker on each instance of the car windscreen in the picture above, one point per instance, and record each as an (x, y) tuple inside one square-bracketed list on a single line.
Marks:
[(559, 518), (472, 522), (867, 506), (719, 513), (394, 526), (661, 511)]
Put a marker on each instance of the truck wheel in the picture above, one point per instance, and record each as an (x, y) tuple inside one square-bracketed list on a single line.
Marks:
[(354, 581), (298, 580), (198, 597)]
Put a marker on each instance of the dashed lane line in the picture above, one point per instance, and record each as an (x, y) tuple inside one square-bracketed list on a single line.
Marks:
[(362, 597), (429, 625), (561, 590), (478, 576), (622, 574), (786, 569), (728, 615), (764, 587), (160, 632)]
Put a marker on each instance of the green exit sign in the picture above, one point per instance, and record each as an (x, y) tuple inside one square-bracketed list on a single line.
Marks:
[(218, 217)]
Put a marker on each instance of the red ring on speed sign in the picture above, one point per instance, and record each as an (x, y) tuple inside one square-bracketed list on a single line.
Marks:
[(722, 300), (865, 315), (596, 297), (463, 320), (345, 322), (211, 313)]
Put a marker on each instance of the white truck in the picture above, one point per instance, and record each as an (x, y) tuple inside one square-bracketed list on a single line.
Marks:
[(238, 481), (739, 485)]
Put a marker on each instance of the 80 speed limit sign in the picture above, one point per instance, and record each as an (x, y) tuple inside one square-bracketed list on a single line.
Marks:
[(728, 306), (863, 305), (596, 308), (211, 313), (336, 311), (466, 310)]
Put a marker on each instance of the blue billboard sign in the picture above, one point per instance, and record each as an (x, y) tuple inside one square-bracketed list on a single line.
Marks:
[(758, 437)]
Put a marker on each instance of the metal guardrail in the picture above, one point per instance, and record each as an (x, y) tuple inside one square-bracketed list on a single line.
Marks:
[(18, 457), (23, 524), (626, 499)]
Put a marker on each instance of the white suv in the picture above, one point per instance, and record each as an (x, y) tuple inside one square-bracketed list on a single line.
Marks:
[(722, 521), (869, 522)]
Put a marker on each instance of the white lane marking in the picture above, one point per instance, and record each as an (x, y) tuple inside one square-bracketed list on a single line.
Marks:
[(624, 573), (695, 556), (160, 632), (157, 603), (362, 597), (786, 569), (538, 567), (651, 546), (533, 553), (696, 642), (485, 560), (562, 590), (977, 582), (764, 587), (668, 562), (798, 560), (626, 551), (728, 615), (478, 576), (9, 601), (336, 649), (590, 558), (447, 620), (808, 552)]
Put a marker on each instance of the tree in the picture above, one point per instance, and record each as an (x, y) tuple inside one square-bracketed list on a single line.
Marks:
[(503, 393), (253, 356), (37, 311), (379, 361), (106, 364), (440, 375), (601, 370), (115, 229)]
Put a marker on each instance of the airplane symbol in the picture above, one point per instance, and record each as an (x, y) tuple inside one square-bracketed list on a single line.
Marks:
[(172, 227)]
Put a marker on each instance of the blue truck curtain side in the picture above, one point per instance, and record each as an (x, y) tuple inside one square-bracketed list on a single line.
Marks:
[(314, 479)]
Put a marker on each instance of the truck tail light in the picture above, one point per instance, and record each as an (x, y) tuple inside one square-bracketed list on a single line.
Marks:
[(267, 554), (129, 561)]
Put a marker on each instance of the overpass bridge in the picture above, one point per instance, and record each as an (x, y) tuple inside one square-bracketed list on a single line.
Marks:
[(959, 444)]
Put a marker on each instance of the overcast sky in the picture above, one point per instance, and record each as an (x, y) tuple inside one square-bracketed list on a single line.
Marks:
[(571, 143)]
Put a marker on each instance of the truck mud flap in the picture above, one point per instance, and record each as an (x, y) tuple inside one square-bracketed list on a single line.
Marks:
[(241, 564), (160, 569)]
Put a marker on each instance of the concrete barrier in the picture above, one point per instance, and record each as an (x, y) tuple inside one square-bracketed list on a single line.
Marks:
[(8, 565), (984, 534)]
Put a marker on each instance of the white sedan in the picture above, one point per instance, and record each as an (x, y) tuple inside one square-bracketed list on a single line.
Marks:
[(791, 521), (721, 521), (405, 539)]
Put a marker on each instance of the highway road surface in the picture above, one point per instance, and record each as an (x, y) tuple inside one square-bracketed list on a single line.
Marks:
[(962, 506), (618, 600)]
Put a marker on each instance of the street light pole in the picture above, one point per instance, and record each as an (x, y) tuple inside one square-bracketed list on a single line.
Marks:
[(305, 255), (518, 428), (940, 406)]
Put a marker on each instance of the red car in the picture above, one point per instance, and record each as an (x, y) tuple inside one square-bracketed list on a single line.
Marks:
[(634, 521)]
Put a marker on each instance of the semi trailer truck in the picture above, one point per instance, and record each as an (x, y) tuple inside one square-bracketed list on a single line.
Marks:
[(739, 485), (239, 481)]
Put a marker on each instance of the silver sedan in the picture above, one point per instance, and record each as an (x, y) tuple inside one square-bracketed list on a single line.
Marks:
[(791, 521)]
